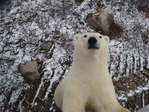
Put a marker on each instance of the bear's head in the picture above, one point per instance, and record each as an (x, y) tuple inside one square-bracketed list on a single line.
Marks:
[(91, 44)]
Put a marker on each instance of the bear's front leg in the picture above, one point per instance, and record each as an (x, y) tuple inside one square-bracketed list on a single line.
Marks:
[(73, 101), (73, 104), (125, 110)]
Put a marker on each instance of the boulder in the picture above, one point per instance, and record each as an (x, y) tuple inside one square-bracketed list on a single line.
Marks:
[(143, 5), (145, 37), (2, 2), (78, 2), (46, 45), (29, 70), (103, 20)]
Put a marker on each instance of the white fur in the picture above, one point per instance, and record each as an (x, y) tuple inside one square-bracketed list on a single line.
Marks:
[(88, 86)]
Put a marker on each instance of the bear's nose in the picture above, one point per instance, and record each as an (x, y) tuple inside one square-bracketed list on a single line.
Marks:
[(92, 40)]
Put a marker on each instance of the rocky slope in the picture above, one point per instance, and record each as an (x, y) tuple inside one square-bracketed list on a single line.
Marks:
[(28, 26)]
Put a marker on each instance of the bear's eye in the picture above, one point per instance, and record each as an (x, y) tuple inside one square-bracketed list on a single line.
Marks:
[(100, 36), (85, 36)]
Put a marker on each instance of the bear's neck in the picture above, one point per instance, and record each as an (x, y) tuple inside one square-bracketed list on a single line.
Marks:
[(90, 62)]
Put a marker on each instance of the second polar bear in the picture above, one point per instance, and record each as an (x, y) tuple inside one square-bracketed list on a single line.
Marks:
[(88, 86)]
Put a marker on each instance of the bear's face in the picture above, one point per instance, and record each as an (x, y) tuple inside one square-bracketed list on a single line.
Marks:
[(91, 42)]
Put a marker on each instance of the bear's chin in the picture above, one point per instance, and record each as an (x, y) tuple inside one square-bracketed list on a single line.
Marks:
[(94, 52)]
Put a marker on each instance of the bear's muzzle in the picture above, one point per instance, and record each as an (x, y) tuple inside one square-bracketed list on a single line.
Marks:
[(92, 43)]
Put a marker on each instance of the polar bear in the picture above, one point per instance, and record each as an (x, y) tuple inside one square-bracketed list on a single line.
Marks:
[(88, 86)]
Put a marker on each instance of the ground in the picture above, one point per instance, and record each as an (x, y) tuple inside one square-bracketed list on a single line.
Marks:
[(27, 24)]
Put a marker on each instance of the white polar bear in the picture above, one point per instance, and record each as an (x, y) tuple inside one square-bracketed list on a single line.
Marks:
[(88, 86)]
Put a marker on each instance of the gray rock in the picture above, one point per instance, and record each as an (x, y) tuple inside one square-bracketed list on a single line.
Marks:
[(145, 109), (46, 45), (142, 5), (78, 2), (29, 70), (101, 20)]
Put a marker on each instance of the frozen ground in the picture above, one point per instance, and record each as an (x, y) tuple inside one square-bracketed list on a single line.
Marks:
[(26, 24)]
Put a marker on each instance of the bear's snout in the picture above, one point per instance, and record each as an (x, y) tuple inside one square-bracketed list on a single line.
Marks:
[(92, 43), (92, 40)]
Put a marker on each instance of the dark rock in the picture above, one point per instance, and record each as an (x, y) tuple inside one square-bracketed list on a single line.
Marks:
[(145, 37), (29, 70), (78, 2), (146, 72), (147, 14), (5, 4), (2, 2), (103, 21), (46, 46), (143, 5)]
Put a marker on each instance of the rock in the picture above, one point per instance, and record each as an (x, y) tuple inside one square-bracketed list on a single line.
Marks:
[(143, 5), (146, 72), (145, 37), (29, 70), (147, 14), (78, 2), (103, 20), (4, 4), (145, 109), (46, 46)]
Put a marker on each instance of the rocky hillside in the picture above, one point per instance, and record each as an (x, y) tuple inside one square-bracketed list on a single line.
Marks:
[(42, 30)]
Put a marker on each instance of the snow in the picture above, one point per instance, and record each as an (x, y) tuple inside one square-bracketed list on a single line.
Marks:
[(143, 101), (37, 93)]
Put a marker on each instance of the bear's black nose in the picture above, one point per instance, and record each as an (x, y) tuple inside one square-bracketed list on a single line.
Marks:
[(92, 41)]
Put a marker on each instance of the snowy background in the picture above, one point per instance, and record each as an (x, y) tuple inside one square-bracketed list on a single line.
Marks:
[(26, 25)]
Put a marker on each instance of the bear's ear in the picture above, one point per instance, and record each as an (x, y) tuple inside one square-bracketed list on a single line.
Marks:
[(106, 38)]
